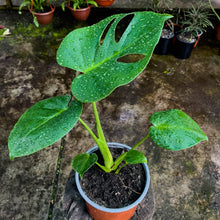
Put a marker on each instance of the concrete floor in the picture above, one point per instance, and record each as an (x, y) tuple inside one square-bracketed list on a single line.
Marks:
[(186, 183)]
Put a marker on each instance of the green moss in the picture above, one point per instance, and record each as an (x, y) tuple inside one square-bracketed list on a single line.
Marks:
[(2, 31), (190, 169), (28, 31), (43, 31)]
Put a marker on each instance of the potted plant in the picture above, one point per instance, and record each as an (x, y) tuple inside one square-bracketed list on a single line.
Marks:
[(218, 31), (167, 34), (105, 3), (49, 120), (80, 9), (196, 21), (42, 10), (218, 24)]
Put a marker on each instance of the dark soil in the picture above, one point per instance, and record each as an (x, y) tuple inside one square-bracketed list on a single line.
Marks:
[(166, 33), (188, 38), (114, 190), (85, 5), (45, 10)]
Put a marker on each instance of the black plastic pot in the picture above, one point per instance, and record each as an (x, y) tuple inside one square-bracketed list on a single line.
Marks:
[(163, 46), (165, 42), (182, 49)]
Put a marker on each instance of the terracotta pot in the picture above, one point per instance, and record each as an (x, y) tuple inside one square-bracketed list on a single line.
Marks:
[(44, 18), (218, 32), (80, 14), (105, 3), (102, 213)]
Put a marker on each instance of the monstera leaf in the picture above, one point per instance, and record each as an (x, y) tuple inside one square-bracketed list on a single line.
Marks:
[(175, 130), (82, 162), (86, 51), (43, 124), (135, 157)]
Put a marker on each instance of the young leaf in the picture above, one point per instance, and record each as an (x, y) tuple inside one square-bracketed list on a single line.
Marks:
[(82, 50), (175, 130), (43, 124), (82, 162), (134, 157)]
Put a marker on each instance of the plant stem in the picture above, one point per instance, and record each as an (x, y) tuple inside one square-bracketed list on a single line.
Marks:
[(98, 124), (140, 142), (89, 130), (122, 157), (214, 10), (103, 147), (118, 170), (102, 167), (119, 160)]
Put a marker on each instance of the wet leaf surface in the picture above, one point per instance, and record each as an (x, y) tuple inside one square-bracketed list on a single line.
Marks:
[(43, 124), (86, 51), (175, 130)]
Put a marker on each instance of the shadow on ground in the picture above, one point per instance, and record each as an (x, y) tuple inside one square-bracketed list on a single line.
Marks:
[(186, 183)]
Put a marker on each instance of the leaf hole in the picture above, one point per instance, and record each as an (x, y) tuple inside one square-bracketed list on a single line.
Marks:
[(131, 58), (101, 39), (122, 26)]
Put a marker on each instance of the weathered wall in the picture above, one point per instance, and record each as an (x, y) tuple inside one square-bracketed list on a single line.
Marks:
[(134, 3), (175, 3)]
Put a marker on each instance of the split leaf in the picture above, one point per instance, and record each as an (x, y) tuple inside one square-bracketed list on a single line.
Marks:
[(86, 51)]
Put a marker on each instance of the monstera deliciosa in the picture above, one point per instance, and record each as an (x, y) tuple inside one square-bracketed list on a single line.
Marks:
[(97, 53), (84, 50)]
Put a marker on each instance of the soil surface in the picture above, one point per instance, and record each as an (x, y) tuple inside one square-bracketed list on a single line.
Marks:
[(75, 209), (187, 38), (114, 190), (166, 33)]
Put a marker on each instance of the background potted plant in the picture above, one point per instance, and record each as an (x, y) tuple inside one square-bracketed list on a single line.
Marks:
[(167, 34), (42, 10), (105, 3), (80, 9), (218, 24), (49, 120), (195, 21)]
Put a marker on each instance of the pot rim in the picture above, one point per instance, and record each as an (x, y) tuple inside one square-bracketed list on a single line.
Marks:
[(187, 42), (172, 34), (115, 210), (78, 9), (45, 13)]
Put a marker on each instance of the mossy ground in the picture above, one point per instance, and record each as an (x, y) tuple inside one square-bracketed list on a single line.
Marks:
[(185, 183)]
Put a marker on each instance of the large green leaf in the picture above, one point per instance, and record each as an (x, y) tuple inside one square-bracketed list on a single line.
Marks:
[(175, 130), (43, 124), (82, 50), (82, 162)]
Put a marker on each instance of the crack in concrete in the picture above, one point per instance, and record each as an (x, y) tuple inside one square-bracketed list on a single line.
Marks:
[(56, 179)]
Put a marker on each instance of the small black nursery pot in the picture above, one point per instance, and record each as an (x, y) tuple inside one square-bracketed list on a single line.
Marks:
[(183, 49), (164, 45)]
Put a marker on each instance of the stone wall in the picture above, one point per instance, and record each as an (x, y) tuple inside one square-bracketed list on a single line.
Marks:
[(175, 3), (136, 4)]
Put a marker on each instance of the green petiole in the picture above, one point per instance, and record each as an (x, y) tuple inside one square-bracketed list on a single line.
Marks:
[(122, 157), (103, 147), (102, 144)]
